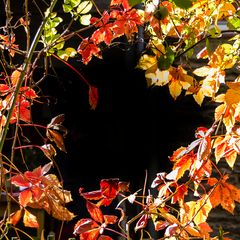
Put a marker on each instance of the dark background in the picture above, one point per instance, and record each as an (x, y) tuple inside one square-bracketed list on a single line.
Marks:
[(134, 129)]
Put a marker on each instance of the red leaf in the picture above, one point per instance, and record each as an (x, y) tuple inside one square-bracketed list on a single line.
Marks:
[(93, 97), (142, 222), (124, 3), (88, 49), (95, 212), (3, 89), (28, 92), (20, 181), (93, 195), (84, 225), (109, 188)]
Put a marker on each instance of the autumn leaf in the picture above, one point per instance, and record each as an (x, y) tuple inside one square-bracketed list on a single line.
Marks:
[(232, 95), (43, 191), (56, 131), (95, 212), (93, 97), (109, 189), (181, 165), (226, 148), (15, 76), (199, 210), (15, 217), (87, 49), (48, 150), (30, 220), (223, 193)]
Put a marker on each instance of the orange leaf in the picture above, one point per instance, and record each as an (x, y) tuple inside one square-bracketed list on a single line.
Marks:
[(15, 77), (110, 219), (25, 197), (95, 212), (15, 217), (30, 220), (225, 194), (232, 95)]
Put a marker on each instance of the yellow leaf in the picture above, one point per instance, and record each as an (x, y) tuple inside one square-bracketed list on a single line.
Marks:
[(30, 220), (202, 71), (233, 93), (199, 97), (198, 210), (146, 61), (175, 89)]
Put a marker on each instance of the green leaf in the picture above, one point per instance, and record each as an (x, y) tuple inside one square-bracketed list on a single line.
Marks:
[(185, 4), (234, 23), (215, 32), (72, 3), (67, 8), (209, 50), (134, 2), (166, 60)]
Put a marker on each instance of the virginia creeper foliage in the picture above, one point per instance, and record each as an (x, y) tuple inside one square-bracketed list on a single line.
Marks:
[(174, 32)]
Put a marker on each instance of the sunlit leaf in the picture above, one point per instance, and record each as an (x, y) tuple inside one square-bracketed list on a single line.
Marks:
[(15, 217), (224, 194), (95, 212), (85, 19), (30, 220), (199, 210), (25, 197), (233, 93), (84, 7)]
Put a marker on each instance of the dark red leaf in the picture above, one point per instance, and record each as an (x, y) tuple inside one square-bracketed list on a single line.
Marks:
[(93, 97)]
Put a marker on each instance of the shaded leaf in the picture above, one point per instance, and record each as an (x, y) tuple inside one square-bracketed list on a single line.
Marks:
[(185, 4), (57, 138), (93, 97), (48, 150)]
